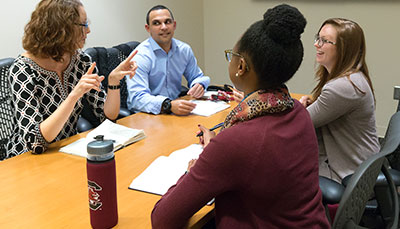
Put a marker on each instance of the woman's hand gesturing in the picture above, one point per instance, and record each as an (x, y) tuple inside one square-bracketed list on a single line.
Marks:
[(87, 82), (126, 67)]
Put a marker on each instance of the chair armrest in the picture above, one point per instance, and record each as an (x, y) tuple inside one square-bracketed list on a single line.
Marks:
[(83, 125), (381, 179), (395, 174), (346, 179), (124, 112), (331, 190)]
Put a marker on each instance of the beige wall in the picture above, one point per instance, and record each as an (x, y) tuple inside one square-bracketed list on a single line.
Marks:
[(226, 20), (112, 23), (211, 26)]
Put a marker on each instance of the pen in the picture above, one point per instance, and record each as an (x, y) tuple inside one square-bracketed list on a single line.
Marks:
[(213, 128), (229, 87)]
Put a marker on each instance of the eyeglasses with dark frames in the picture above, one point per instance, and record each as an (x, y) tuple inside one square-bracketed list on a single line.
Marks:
[(229, 53), (321, 41)]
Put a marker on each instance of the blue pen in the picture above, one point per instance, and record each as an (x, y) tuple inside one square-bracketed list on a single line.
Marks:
[(213, 128)]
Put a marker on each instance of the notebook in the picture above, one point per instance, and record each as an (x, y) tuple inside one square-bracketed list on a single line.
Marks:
[(165, 171), (121, 135)]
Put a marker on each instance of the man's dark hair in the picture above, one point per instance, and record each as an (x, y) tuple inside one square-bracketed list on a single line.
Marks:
[(158, 7)]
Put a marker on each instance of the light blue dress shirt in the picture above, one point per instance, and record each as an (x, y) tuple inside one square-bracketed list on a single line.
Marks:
[(159, 75)]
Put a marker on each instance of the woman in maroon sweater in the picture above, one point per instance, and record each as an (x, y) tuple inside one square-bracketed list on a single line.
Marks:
[(262, 168)]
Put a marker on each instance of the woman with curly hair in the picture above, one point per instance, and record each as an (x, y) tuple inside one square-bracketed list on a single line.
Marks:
[(262, 168), (343, 105), (50, 80)]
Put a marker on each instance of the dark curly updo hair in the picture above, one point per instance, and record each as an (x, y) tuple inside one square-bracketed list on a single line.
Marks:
[(274, 46)]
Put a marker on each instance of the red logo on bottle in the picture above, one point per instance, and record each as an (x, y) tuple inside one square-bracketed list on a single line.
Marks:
[(94, 197)]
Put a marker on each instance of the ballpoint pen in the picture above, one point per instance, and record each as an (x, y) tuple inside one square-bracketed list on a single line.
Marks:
[(213, 128)]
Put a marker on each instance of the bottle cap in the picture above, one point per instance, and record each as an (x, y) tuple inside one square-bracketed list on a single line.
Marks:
[(100, 149)]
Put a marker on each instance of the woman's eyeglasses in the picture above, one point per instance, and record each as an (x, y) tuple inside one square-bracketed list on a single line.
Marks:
[(229, 53), (85, 24), (321, 41)]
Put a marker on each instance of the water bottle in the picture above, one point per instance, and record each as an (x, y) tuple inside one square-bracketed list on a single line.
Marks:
[(102, 183)]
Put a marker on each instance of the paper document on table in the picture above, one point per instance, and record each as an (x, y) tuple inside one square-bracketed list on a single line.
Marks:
[(165, 171), (208, 94), (207, 107), (121, 135)]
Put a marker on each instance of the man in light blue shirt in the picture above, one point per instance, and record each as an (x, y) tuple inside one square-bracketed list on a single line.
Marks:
[(162, 60)]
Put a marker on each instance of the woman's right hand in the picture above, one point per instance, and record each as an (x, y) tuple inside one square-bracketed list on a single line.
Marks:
[(305, 100), (87, 82), (207, 135)]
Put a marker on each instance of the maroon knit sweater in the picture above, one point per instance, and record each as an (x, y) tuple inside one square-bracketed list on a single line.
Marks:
[(263, 173)]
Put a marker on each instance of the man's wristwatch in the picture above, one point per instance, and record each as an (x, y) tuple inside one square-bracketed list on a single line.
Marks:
[(166, 106)]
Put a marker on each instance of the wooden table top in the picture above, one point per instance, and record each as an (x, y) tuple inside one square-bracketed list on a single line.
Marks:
[(50, 190)]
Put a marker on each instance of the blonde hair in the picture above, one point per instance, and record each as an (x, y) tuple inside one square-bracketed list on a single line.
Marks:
[(52, 30), (350, 58)]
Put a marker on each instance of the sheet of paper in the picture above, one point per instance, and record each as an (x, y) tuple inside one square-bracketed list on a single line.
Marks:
[(208, 94), (207, 107)]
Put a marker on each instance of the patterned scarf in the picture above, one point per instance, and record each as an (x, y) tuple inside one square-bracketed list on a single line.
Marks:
[(260, 103)]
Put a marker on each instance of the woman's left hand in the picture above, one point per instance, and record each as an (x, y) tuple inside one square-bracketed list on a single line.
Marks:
[(305, 100), (237, 95), (191, 164), (126, 67)]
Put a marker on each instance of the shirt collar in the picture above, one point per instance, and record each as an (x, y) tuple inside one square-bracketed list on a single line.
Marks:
[(156, 47)]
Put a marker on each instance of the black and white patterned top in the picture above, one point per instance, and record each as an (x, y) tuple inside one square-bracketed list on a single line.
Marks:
[(37, 93)]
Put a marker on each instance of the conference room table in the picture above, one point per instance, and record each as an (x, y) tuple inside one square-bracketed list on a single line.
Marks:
[(50, 190)]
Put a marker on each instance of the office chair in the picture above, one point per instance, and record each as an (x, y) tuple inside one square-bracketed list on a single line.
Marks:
[(124, 50), (106, 60), (391, 146), (394, 159), (378, 211), (6, 109), (359, 190)]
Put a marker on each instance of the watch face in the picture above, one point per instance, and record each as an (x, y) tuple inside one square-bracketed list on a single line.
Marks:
[(166, 106)]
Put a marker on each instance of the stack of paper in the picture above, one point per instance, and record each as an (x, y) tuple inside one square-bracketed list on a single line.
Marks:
[(121, 135)]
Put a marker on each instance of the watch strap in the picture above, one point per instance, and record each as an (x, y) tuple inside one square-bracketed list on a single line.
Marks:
[(166, 106), (114, 87)]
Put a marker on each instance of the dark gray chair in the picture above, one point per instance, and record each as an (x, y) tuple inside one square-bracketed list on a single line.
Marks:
[(106, 60), (394, 158), (378, 210), (390, 146), (6, 110), (359, 190)]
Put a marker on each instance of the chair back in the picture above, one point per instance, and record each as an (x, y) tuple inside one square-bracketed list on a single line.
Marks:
[(396, 96), (367, 180), (6, 110), (123, 52), (392, 136), (106, 60), (391, 149), (360, 189)]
